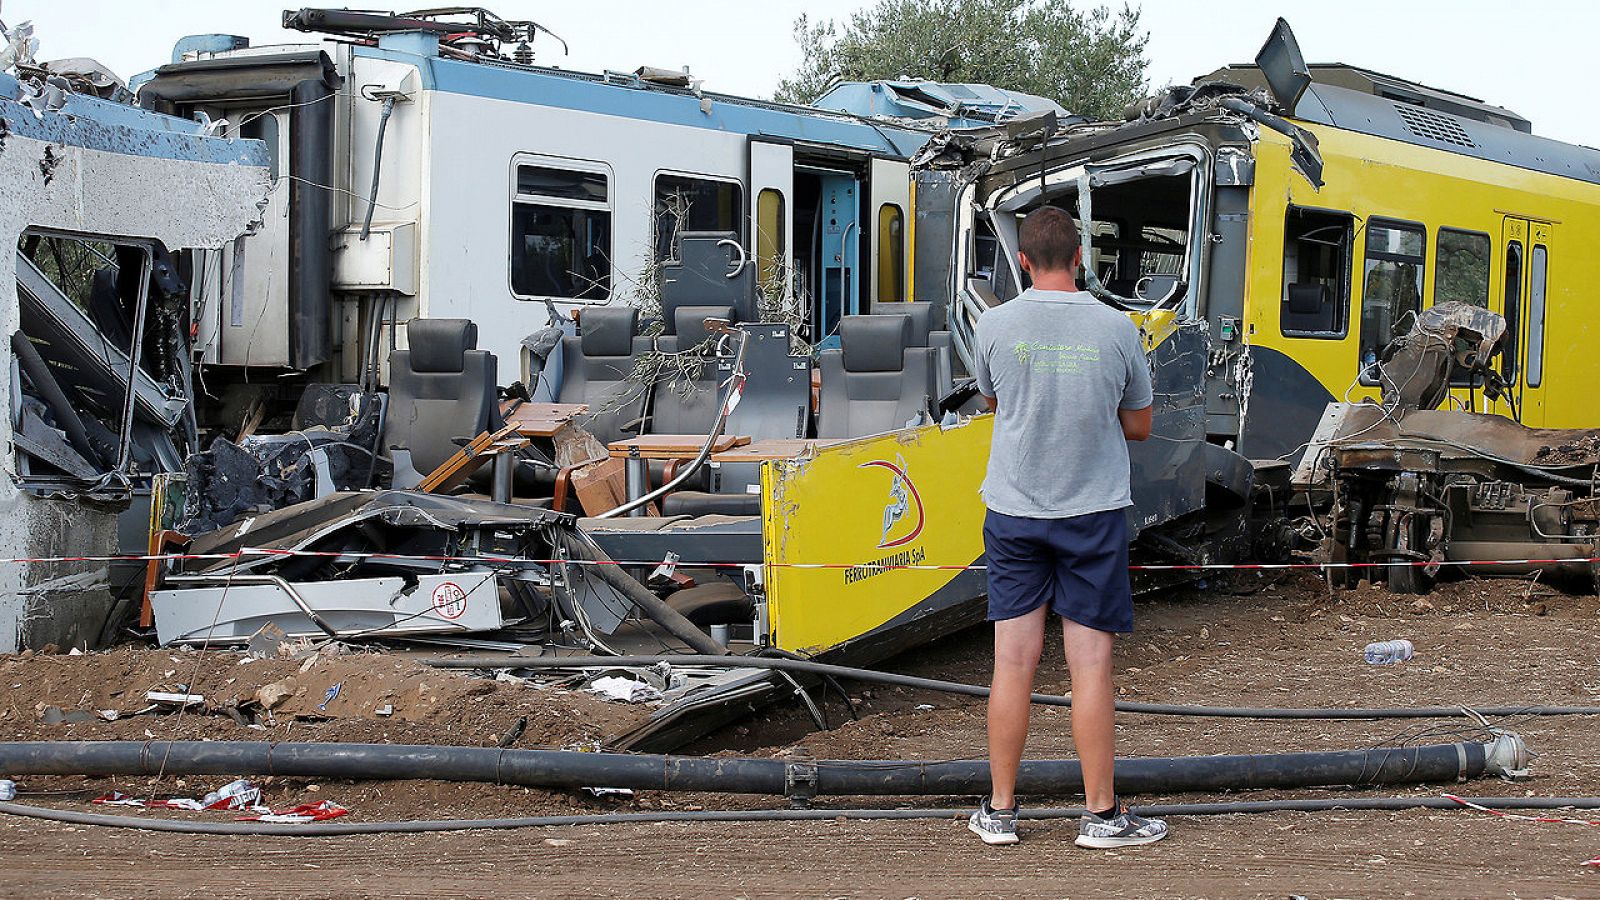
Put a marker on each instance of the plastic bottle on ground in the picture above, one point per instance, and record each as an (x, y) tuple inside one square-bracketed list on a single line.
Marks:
[(1382, 653)]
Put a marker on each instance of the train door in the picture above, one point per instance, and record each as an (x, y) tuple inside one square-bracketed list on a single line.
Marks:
[(1525, 276), (835, 259), (772, 218)]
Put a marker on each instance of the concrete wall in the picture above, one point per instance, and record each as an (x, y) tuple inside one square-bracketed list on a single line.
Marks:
[(145, 180)]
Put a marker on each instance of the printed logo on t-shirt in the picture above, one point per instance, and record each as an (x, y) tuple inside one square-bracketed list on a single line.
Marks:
[(1055, 359)]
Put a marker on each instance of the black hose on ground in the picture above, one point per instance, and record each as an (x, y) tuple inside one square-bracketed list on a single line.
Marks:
[(581, 546), (781, 777), (419, 826), (976, 690)]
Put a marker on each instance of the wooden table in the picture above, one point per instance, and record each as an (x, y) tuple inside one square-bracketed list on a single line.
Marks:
[(673, 446), (541, 419), (774, 448)]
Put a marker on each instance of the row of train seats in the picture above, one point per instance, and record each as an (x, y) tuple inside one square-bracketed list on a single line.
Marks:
[(608, 366), (891, 366)]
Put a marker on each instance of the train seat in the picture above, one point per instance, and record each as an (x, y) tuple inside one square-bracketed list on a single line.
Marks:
[(923, 334), (441, 391), (595, 368), (875, 381), (1308, 307)]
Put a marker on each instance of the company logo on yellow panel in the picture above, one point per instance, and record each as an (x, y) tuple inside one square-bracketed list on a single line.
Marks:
[(902, 515)]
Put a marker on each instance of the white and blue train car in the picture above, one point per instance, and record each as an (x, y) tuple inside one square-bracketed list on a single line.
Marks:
[(505, 192)]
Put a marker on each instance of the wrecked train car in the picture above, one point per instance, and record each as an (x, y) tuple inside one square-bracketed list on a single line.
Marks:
[(1300, 216), (112, 211), (515, 195)]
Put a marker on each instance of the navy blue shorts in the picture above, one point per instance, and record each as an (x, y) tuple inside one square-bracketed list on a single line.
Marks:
[(1078, 565)]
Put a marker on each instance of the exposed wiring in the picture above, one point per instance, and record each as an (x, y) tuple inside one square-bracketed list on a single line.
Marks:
[(338, 190)]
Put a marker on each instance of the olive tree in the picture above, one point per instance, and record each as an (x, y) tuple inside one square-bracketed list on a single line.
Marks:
[(1090, 60)]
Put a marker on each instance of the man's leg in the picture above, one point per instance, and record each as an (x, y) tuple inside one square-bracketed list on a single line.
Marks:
[(1093, 710), (1017, 645)]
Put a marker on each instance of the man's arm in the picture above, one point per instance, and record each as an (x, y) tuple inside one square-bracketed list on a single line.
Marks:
[(1135, 423), (1134, 412), (989, 401)]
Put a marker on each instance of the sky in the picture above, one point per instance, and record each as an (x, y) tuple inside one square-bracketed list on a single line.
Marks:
[(1534, 57)]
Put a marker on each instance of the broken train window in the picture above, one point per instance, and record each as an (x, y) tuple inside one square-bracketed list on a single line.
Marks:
[(82, 316), (1391, 287), (1316, 273), (1143, 218)]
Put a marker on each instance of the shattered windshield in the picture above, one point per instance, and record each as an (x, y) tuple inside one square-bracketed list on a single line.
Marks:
[(1138, 245), (80, 312)]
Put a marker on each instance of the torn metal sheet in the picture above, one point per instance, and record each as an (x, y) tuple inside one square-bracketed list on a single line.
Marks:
[(223, 613)]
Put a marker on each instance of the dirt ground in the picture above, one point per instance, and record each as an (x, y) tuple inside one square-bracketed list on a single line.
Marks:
[(1280, 641)]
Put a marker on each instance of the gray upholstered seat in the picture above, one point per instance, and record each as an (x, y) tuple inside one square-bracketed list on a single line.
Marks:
[(684, 405), (705, 270), (595, 366), (441, 390), (876, 381), (924, 334)]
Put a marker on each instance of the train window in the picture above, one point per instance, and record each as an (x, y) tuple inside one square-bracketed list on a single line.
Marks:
[(1513, 309), (1391, 287), (686, 203), (1316, 273), (560, 233), (566, 184), (1537, 264), (770, 234), (79, 304), (1461, 272), (891, 254)]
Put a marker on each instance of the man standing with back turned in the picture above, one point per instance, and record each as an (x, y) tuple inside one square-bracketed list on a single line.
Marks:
[(1067, 379)]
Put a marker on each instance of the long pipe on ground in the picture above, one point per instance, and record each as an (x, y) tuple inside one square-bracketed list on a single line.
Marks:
[(581, 546), (975, 690), (568, 769), (418, 826)]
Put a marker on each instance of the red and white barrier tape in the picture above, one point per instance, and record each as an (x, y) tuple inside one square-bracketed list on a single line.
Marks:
[(1519, 817), (263, 552)]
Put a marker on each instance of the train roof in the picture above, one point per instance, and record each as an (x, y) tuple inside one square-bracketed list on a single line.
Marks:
[(647, 94), (933, 102), (1367, 102)]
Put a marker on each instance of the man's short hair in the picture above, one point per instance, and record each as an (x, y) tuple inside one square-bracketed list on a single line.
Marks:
[(1049, 239)]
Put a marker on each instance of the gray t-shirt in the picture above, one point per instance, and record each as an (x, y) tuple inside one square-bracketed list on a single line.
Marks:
[(1060, 365)]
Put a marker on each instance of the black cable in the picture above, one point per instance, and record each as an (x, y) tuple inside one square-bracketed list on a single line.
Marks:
[(418, 826), (974, 690)]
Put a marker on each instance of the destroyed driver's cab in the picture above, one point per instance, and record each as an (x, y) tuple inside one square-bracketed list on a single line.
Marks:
[(1298, 218), (113, 211)]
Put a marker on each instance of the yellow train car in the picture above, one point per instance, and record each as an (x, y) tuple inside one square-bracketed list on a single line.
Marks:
[(1302, 215)]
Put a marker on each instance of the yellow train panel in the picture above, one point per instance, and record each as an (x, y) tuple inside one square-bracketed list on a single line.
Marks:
[(1372, 177), (838, 526)]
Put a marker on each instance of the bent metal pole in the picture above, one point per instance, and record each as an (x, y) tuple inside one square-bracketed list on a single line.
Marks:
[(1505, 755)]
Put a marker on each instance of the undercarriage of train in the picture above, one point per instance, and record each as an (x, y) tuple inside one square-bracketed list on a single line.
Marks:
[(1417, 491)]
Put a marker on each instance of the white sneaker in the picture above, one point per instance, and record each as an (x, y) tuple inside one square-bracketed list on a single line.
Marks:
[(1121, 830), (995, 826)]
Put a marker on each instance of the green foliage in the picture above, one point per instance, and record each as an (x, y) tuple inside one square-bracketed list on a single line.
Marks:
[(1090, 61)]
